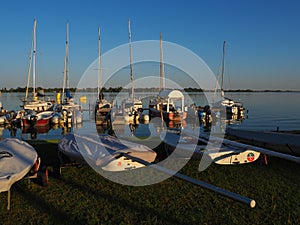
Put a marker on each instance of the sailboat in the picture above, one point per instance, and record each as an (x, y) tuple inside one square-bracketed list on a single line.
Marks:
[(67, 105), (36, 104), (131, 108), (164, 104), (232, 107), (103, 107)]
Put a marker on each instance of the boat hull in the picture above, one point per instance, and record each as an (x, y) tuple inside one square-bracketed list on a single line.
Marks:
[(167, 116), (187, 146), (38, 120)]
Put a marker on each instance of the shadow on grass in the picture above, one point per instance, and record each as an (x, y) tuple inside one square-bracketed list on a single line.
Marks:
[(57, 215), (116, 199), (48, 153)]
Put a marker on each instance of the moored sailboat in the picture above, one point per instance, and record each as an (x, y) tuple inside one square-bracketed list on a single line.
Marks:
[(103, 107), (164, 104), (232, 107), (35, 104), (130, 110), (67, 101)]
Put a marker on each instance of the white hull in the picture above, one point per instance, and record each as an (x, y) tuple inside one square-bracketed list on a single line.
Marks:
[(187, 146)]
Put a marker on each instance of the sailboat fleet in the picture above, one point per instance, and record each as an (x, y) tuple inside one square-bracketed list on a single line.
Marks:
[(109, 153), (38, 112), (41, 113)]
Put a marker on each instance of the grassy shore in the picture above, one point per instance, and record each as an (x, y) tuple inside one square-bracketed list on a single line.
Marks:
[(82, 196)]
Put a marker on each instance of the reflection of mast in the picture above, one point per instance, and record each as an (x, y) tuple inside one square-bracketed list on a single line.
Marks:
[(99, 67), (66, 82), (223, 59), (130, 52), (161, 83)]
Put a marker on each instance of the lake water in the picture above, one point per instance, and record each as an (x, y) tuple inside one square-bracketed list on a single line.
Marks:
[(269, 110), (266, 111)]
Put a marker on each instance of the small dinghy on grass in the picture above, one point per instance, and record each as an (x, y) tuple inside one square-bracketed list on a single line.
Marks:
[(186, 145), (16, 159), (104, 151)]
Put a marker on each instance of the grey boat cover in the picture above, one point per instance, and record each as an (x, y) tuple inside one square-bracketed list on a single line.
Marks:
[(101, 150)]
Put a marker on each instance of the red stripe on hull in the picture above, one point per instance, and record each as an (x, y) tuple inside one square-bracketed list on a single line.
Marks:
[(38, 123), (166, 116)]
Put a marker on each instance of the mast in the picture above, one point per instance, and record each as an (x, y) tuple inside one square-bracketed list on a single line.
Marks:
[(65, 81), (99, 67), (34, 59), (223, 59), (130, 52), (161, 84), (30, 66), (28, 76)]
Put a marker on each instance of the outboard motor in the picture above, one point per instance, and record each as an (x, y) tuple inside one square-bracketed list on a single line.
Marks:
[(207, 111), (33, 120), (69, 117)]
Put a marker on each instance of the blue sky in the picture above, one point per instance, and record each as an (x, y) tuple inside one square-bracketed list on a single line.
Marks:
[(262, 37)]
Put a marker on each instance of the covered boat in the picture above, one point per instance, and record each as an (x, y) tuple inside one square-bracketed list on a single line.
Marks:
[(16, 159), (164, 105), (104, 151)]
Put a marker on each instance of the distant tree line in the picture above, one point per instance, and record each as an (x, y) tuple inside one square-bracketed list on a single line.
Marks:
[(23, 89), (118, 89)]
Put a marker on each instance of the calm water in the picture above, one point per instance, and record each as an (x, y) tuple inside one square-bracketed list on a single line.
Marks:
[(266, 111)]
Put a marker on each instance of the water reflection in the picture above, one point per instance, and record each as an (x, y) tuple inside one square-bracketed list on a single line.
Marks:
[(136, 131), (126, 130)]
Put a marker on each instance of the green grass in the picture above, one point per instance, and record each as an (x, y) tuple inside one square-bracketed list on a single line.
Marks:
[(82, 196)]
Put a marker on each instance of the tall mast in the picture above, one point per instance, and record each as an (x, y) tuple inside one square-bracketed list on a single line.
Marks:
[(28, 75), (34, 58), (161, 84), (65, 81), (130, 52), (99, 66), (30, 65), (223, 59)]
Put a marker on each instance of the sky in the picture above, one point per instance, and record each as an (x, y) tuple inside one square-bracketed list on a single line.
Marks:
[(262, 37)]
